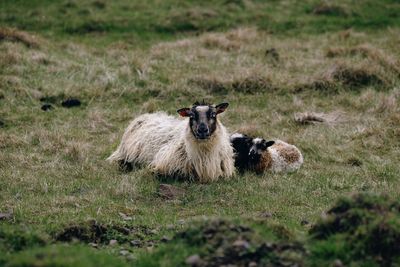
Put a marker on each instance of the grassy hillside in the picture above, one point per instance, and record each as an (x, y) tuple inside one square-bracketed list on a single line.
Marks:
[(273, 61)]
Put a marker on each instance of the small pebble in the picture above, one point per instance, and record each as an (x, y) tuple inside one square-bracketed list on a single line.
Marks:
[(193, 260), (94, 245), (113, 242), (243, 244), (153, 231), (136, 243), (124, 252), (337, 263), (165, 239)]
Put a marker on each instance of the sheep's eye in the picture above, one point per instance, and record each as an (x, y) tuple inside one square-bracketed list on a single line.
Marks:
[(213, 115)]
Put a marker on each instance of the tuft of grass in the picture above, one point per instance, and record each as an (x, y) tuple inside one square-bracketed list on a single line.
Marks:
[(364, 226), (65, 256), (223, 242), (12, 34)]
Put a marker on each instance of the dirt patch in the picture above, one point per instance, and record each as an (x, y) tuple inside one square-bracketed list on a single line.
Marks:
[(94, 232), (14, 35), (367, 225), (229, 244)]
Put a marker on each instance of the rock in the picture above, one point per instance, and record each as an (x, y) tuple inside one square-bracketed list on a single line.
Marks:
[(130, 257), (193, 260), (165, 239), (71, 102), (113, 242), (337, 263), (46, 107), (124, 252), (153, 232), (94, 245), (252, 264), (125, 217), (6, 216), (136, 243), (241, 244), (170, 227), (170, 192), (266, 214)]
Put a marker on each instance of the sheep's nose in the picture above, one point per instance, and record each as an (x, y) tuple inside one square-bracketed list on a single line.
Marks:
[(203, 129)]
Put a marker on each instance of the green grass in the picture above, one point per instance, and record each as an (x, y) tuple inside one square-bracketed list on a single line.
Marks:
[(125, 58), (140, 22)]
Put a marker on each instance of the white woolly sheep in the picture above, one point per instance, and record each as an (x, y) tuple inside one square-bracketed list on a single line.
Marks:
[(197, 148), (260, 155)]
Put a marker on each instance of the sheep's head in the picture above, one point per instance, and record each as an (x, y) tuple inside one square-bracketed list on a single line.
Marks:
[(257, 147), (203, 118)]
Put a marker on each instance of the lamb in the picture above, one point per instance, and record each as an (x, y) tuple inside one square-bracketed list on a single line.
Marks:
[(197, 148), (260, 155)]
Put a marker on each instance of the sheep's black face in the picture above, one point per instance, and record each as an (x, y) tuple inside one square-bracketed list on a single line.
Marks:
[(241, 144), (203, 118), (258, 146)]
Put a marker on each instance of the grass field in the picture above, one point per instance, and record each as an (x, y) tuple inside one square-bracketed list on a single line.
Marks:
[(62, 204)]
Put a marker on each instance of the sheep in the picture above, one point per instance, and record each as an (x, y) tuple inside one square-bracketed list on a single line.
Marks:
[(260, 155), (197, 148)]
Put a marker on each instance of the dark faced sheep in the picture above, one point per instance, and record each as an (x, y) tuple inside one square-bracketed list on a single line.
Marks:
[(260, 155)]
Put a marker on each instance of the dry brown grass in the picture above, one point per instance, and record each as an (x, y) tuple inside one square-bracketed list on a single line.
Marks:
[(358, 76), (249, 85), (368, 51), (251, 129), (14, 35)]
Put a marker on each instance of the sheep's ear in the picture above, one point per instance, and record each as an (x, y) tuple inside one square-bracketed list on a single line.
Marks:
[(221, 107), (267, 144), (184, 112)]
